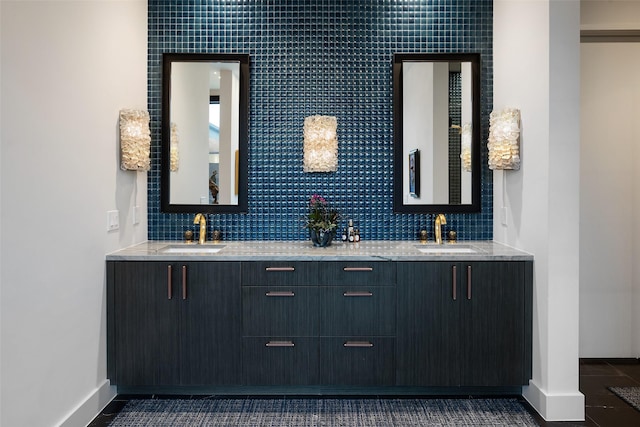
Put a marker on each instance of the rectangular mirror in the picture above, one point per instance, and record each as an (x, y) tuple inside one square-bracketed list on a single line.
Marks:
[(436, 105), (204, 132)]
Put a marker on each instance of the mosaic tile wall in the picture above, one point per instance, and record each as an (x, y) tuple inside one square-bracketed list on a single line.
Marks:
[(330, 57)]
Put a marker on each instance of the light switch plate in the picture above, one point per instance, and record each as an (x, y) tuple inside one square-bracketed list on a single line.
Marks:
[(113, 220), (504, 215)]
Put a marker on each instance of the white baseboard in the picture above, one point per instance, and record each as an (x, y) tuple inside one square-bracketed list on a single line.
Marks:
[(84, 413), (555, 407)]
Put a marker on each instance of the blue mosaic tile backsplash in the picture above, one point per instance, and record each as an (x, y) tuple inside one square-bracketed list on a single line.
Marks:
[(330, 57)]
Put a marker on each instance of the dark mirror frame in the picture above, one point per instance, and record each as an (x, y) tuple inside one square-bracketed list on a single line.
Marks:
[(398, 197), (243, 132)]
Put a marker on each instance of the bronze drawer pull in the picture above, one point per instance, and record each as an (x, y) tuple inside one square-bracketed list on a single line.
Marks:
[(280, 269), (468, 282), (357, 269), (280, 294), (280, 344), (169, 285), (358, 294), (454, 279), (184, 282), (358, 344)]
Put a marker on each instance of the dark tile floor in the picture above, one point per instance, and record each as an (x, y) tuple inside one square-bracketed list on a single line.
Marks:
[(603, 408)]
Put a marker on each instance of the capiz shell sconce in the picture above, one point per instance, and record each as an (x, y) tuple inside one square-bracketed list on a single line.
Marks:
[(465, 149), (504, 139), (320, 144), (135, 140), (174, 150)]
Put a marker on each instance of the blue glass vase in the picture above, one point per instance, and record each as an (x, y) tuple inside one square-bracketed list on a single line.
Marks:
[(320, 238)]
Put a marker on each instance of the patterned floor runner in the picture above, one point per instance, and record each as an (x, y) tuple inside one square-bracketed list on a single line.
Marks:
[(323, 412), (631, 395)]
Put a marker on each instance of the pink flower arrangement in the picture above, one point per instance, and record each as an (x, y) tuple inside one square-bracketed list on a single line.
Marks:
[(321, 216)]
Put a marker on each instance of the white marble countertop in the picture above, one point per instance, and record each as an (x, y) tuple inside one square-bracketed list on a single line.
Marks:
[(300, 250)]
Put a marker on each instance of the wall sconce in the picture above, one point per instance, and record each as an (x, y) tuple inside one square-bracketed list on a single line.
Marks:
[(504, 139), (174, 152), (465, 147), (320, 144), (135, 140)]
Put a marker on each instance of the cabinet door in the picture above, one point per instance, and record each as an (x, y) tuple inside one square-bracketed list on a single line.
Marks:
[(210, 323), (357, 310), (279, 273), (493, 326), (280, 311), (354, 273), (280, 360), (357, 361), (427, 342), (146, 327)]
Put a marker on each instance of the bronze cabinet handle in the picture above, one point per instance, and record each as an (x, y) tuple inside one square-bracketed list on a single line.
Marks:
[(169, 284), (280, 294), (280, 344), (358, 294), (184, 282), (358, 344), (280, 269), (357, 269), (468, 282), (454, 280)]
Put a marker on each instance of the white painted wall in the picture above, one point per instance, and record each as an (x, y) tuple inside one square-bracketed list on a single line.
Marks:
[(190, 113), (425, 117), (536, 64), (67, 68), (610, 185), (229, 136), (466, 117), (609, 14)]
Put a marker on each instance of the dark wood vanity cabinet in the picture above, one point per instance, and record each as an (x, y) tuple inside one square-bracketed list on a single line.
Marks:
[(388, 325), (464, 323), (357, 323), (173, 323), (280, 323), (318, 323)]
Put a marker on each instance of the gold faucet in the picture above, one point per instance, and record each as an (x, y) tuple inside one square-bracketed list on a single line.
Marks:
[(202, 220), (440, 219)]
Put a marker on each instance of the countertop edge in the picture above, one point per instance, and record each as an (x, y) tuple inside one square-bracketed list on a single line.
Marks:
[(369, 251)]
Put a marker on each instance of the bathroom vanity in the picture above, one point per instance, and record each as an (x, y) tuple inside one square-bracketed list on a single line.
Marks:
[(377, 317)]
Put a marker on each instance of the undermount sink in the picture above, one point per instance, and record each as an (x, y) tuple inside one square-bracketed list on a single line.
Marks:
[(446, 249), (191, 249)]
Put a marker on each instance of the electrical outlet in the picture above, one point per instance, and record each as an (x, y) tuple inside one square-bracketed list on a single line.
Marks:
[(136, 215), (504, 215), (113, 220)]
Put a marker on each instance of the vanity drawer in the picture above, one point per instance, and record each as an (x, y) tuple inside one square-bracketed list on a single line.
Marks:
[(279, 273), (280, 361), (339, 273), (357, 361), (280, 310), (357, 310)]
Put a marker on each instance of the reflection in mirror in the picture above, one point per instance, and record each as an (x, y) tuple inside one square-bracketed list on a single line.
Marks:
[(205, 104), (436, 127)]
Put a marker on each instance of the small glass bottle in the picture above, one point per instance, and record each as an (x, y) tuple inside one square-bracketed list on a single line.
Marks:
[(344, 235), (356, 238)]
